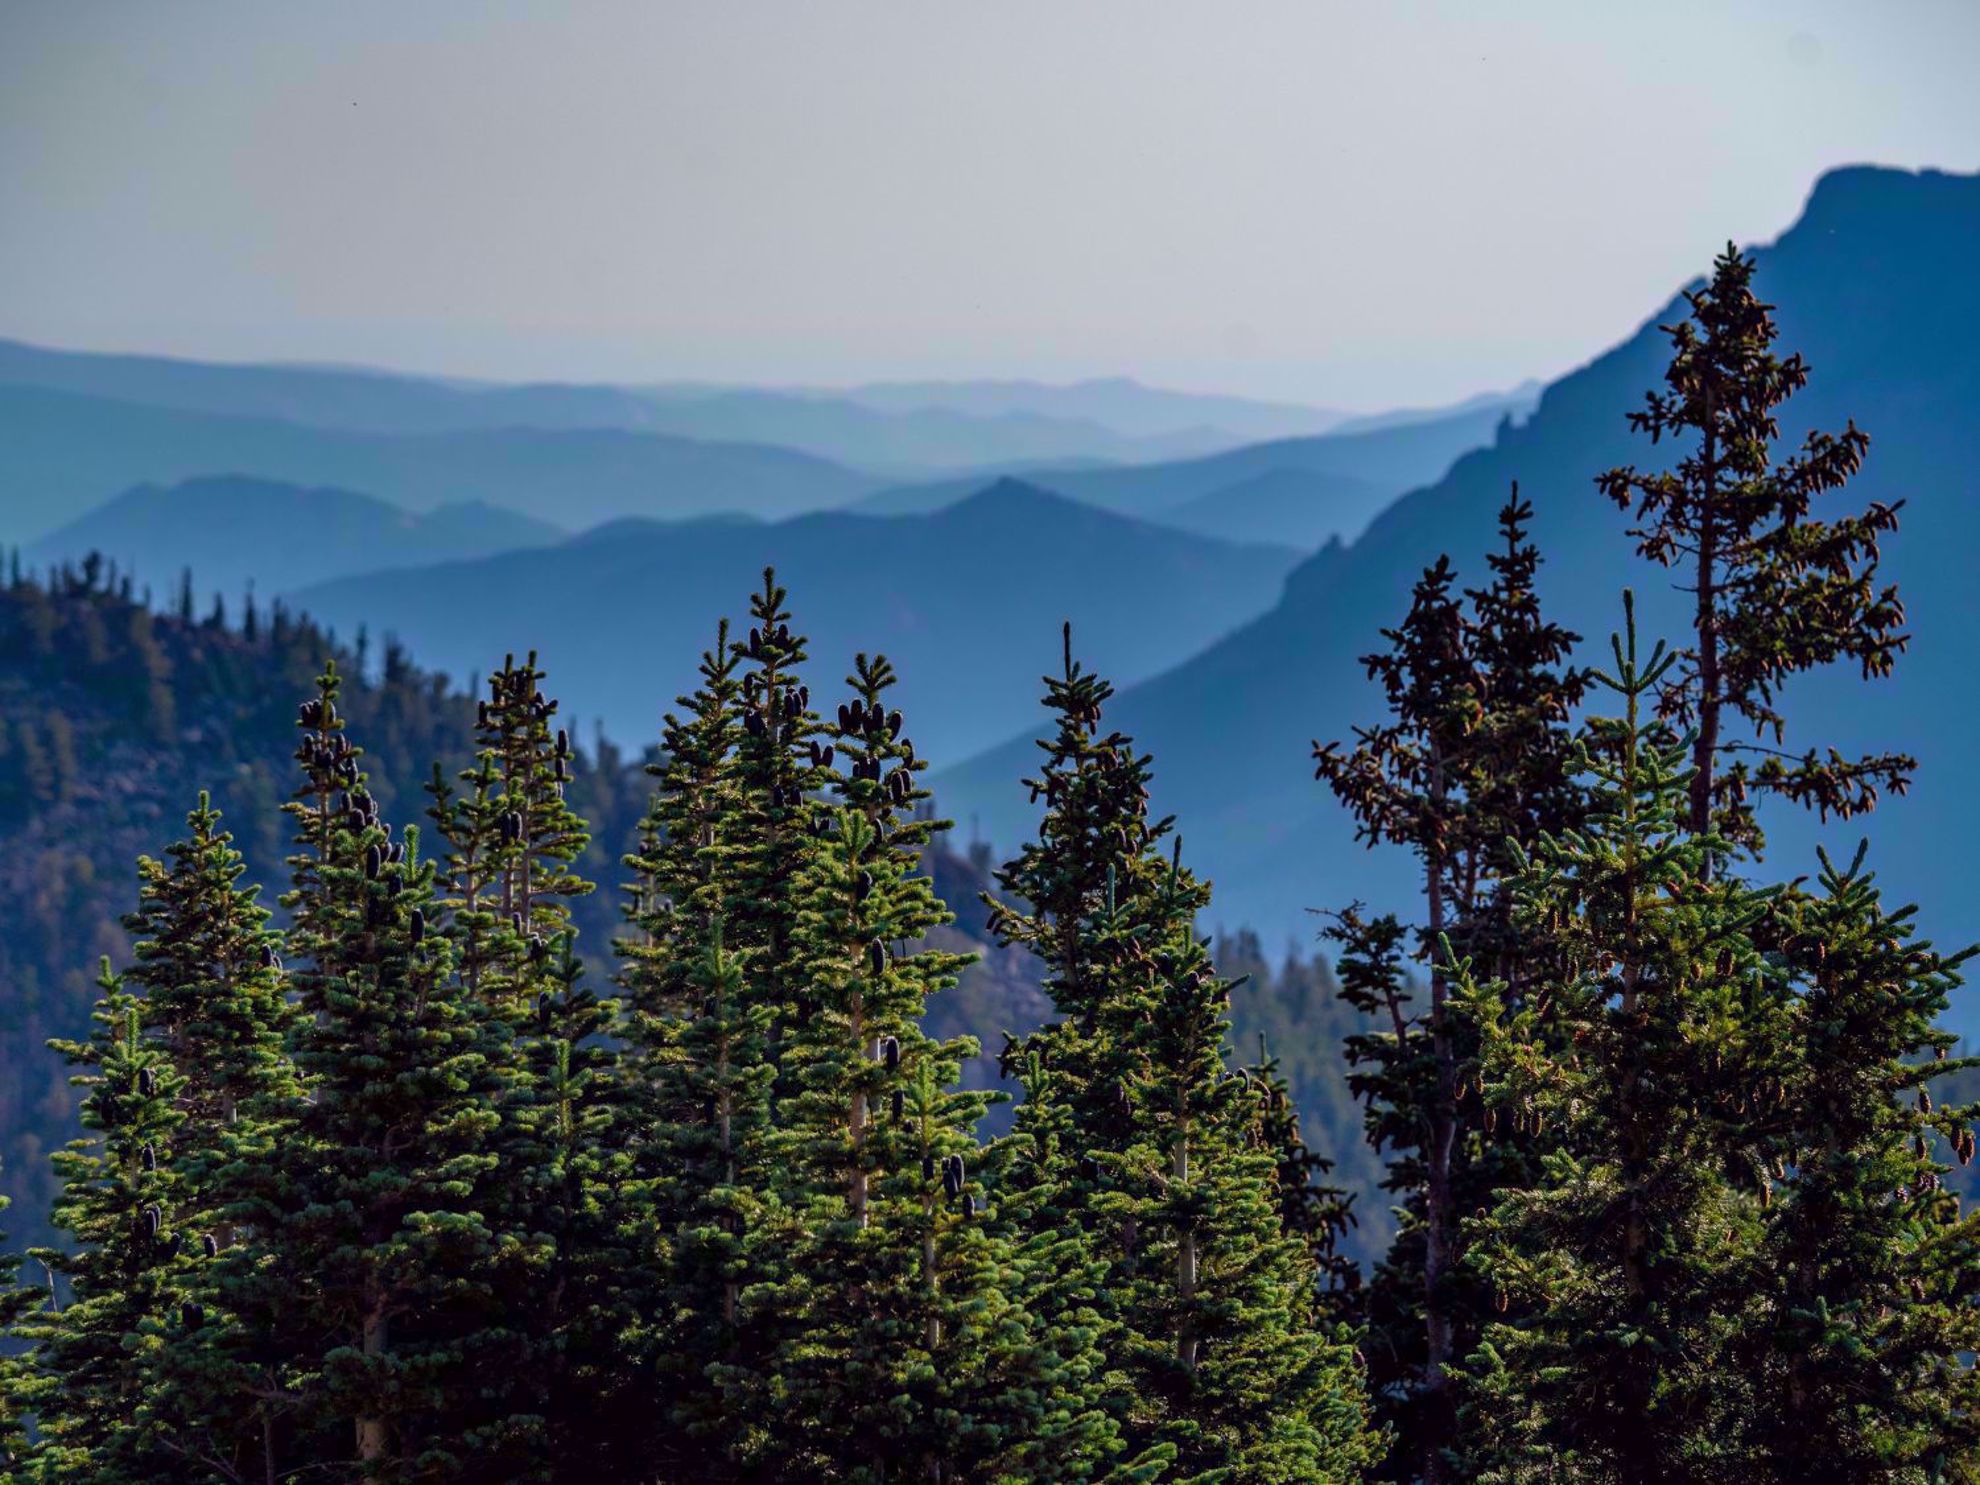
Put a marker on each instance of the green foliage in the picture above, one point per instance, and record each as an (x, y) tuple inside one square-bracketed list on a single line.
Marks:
[(1151, 1147), (1777, 591), (1636, 1258), (1474, 761)]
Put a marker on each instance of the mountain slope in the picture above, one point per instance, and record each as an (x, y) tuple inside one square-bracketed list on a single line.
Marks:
[(231, 531), (1300, 508), (61, 454), (967, 602), (1875, 287)]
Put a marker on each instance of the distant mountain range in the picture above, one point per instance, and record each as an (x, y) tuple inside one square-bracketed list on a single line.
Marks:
[(1298, 491), (63, 453), (897, 429), (233, 531), (966, 602), (1875, 286), (1120, 403)]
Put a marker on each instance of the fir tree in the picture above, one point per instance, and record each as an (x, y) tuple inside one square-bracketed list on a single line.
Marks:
[(909, 1351), (373, 1278), (214, 1001), (1776, 592), (120, 1207), (1473, 762), (775, 770), (698, 1079), (512, 838), (1212, 1322), (1629, 1270), (1871, 1269), (1317, 1213)]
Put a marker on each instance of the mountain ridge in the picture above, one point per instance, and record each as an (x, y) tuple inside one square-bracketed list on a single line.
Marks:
[(1873, 285)]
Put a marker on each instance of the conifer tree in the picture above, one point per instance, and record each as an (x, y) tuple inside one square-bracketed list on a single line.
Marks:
[(1310, 1209), (1871, 1269), (909, 1351), (1629, 1269), (1473, 762), (214, 1001), (698, 1079), (511, 840), (120, 1207), (16, 1301), (373, 1276), (776, 769), (1223, 1366), (1776, 592)]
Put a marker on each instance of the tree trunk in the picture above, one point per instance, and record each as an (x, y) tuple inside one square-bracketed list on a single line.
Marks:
[(1185, 1263), (1437, 1224), (1705, 747), (371, 1429)]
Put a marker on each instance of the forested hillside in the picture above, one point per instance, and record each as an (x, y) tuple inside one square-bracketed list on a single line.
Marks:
[(113, 718)]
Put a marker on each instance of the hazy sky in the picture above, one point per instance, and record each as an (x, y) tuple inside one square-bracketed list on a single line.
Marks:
[(1359, 204)]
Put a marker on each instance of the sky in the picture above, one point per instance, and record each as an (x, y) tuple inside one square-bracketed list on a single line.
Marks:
[(1358, 205)]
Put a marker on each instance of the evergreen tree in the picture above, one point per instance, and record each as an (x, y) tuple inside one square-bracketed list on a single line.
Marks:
[(214, 1001), (1222, 1365), (373, 1281), (1871, 1270), (120, 1207), (909, 1350), (698, 1079), (1315, 1212), (213, 994), (1775, 591), (1634, 1261), (511, 840), (1473, 762), (776, 769), (16, 1302)]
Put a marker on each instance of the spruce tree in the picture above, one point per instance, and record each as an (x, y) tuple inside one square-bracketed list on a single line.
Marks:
[(1871, 1270), (214, 1001), (1212, 1326), (16, 1302), (1629, 1271), (1472, 763), (697, 1079), (910, 1351), (1775, 590), (120, 1208), (373, 1279)]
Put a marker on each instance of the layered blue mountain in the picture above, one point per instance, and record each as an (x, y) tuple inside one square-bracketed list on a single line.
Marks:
[(1120, 403), (892, 429), (1297, 491), (967, 602), (234, 531), (1876, 287), (63, 453)]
